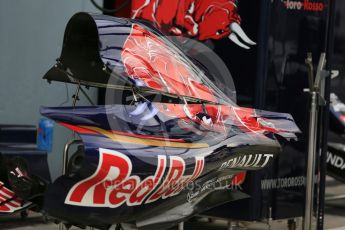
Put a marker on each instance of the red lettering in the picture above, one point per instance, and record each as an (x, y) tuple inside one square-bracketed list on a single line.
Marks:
[(199, 166), (113, 168), (112, 186), (120, 194), (177, 167), (313, 6), (173, 185), (149, 184)]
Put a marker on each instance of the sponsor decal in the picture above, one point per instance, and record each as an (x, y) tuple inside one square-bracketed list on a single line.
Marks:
[(217, 183), (281, 183), (306, 5), (245, 161), (113, 184), (335, 160)]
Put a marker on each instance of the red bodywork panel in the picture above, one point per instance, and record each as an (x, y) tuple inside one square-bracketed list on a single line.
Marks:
[(147, 59)]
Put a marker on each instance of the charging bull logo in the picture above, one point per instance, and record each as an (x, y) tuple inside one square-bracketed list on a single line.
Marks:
[(112, 185), (200, 19)]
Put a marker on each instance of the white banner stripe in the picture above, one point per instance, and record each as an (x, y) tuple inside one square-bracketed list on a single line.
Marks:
[(7, 191), (5, 195)]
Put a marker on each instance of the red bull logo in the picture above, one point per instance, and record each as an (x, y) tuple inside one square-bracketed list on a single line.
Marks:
[(112, 185), (200, 19)]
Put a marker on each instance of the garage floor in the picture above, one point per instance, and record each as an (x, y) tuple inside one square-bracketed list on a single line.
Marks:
[(334, 219)]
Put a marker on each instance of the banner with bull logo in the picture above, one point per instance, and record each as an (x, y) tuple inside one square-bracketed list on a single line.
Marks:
[(200, 19)]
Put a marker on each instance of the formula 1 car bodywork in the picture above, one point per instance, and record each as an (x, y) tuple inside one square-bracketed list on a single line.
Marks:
[(172, 146)]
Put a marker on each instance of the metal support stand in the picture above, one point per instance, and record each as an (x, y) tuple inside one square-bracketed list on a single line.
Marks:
[(61, 226), (311, 163), (65, 154), (292, 224), (230, 225), (316, 91), (323, 157), (269, 220)]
